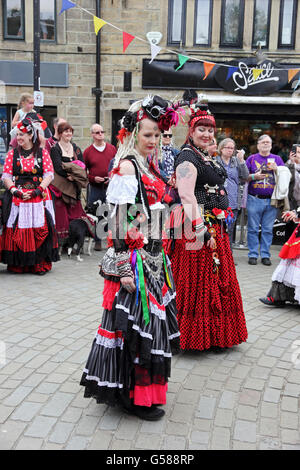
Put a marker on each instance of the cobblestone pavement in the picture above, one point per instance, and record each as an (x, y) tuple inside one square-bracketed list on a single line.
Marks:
[(244, 398)]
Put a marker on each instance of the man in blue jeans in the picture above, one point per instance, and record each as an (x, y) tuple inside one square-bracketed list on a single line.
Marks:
[(262, 167)]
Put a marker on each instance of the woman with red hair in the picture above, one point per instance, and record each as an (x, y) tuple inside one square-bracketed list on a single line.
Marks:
[(67, 191), (209, 304)]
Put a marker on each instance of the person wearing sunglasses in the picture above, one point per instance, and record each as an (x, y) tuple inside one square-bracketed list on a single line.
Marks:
[(97, 158), (169, 154)]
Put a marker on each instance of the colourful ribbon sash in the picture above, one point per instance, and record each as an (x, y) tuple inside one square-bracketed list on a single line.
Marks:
[(137, 266)]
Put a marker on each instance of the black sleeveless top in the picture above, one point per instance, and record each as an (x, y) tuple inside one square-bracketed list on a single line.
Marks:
[(35, 176), (209, 188)]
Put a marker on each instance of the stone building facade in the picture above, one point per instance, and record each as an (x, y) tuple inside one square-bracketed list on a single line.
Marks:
[(75, 46)]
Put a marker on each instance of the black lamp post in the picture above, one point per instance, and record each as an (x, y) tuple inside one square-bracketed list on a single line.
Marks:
[(36, 46), (97, 90)]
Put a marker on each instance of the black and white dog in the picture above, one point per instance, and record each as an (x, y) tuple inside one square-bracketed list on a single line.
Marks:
[(80, 229)]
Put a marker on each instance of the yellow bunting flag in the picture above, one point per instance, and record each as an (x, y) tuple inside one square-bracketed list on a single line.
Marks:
[(98, 23), (292, 73), (207, 69), (256, 73)]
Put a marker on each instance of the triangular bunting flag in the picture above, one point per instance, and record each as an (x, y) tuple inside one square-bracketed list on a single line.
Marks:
[(98, 24), (208, 66), (127, 38), (66, 5), (296, 84), (256, 73), (292, 73), (230, 72), (182, 60), (155, 50)]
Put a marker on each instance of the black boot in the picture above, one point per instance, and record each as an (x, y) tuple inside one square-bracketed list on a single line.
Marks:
[(148, 413), (273, 303)]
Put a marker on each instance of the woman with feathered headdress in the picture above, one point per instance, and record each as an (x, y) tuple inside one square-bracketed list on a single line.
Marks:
[(129, 363)]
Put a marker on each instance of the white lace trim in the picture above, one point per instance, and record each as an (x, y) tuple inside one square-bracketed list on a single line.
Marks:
[(110, 343), (101, 383), (122, 189)]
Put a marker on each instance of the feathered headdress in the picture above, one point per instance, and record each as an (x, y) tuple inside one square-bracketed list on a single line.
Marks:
[(32, 126), (153, 107)]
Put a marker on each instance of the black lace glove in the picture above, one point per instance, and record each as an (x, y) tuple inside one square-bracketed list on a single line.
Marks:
[(37, 192)]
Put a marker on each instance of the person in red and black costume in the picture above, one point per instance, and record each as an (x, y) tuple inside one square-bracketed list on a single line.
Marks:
[(208, 299), (130, 360), (29, 236)]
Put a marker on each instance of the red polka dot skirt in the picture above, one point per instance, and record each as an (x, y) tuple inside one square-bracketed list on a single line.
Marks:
[(208, 298)]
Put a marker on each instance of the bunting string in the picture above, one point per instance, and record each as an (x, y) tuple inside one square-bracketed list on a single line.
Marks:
[(182, 59)]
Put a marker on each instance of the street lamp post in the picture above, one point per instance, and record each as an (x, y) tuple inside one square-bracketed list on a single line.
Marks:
[(97, 90), (36, 47)]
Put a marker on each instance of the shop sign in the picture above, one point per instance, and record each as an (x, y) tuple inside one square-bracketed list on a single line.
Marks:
[(243, 77), (249, 79)]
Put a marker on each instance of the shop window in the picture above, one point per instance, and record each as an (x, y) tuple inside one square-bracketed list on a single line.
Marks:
[(48, 20), (261, 23), (177, 22), (203, 22), (287, 24), (232, 23), (13, 19)]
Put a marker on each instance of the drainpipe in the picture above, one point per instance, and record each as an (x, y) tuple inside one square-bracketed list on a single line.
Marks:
[(97, 90)]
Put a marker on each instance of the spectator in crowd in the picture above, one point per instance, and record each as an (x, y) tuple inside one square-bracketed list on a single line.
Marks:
[(55, 137), (212, 148), (293, 164), (66, 189), (169, 154), (237, 173), (97, 158), (262, 167)]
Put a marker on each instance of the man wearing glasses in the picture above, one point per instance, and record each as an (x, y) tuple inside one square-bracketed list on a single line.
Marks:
[(262, 167), (169, 154), (97, 158)]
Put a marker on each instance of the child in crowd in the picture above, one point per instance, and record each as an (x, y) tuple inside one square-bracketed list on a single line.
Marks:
[(26, 105), (26, 108)]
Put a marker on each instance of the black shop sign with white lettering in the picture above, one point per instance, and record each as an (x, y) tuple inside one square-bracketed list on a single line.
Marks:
[(238, 77), (246, 78)]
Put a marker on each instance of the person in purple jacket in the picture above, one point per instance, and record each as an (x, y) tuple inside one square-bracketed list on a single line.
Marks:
[(262, 167)]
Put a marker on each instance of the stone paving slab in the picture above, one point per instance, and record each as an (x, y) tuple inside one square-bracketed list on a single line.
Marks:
[(247, 397)]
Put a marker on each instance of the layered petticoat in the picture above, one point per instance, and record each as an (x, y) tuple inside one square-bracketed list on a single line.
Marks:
[(29, 238), (209, 303), (286, 277), (129, 359)]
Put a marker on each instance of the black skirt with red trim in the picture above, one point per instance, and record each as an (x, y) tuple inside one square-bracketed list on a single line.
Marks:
[(208, 297)]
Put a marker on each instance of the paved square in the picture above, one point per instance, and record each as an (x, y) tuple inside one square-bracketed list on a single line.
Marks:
[(246, 397)]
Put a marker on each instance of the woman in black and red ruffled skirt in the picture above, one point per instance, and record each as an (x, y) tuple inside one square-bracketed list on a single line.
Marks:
[(130, 360), (29, 240), (208, 298)]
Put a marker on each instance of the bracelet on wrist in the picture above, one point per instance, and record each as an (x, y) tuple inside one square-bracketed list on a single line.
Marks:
[(253, 176)]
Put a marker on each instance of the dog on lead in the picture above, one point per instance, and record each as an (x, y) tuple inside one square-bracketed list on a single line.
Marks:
[(80, 229)]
